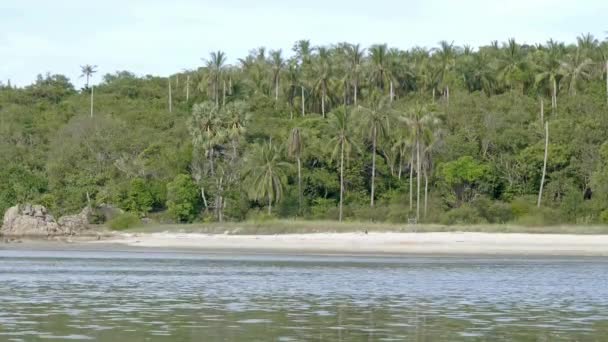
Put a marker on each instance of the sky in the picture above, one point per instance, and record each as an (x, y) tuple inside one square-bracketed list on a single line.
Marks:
[(161, 37)]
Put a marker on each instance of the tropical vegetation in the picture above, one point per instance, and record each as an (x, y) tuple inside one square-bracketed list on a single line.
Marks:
[(449, 134)]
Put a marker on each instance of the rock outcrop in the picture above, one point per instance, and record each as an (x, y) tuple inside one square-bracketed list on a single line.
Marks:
[(75, 223), (30, 219), (35, 220)]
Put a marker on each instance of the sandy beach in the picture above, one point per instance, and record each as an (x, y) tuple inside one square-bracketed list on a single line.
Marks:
[(448, 243)]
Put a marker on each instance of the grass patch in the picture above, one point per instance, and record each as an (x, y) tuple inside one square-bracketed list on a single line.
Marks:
[(124, 221), (303, 227)]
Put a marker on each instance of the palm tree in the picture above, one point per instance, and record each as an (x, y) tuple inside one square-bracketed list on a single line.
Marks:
[(418, 120), (511, 64), (549, 69), (446, 59), (88, 71), (343, 144), (303, 51), (355, 56), (215, 65), (380, 73), (235, 116), (266, 173), (402, 143), (374, 123), (575, 68), (322, 73), (207, 130), (295, 149), (277, 65), (431, 139)]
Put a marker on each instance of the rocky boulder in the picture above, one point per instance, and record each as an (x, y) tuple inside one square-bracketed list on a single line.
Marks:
[(76, 223), (30, 219)]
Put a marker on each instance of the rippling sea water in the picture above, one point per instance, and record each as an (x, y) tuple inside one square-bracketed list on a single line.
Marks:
[(152, 296)]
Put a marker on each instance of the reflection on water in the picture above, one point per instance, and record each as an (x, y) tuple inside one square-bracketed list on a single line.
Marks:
[(110, 296)]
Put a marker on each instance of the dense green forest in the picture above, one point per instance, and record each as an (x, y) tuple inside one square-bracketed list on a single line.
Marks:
[(448, 134)]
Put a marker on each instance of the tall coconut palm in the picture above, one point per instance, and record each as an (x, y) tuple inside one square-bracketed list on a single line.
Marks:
[(266, 174), (445, 56), (215, 65), (374, 123), (355, 55), (511, 65), (401, 145), (278, 63), (550, 68), (343, 144), (88, 71), (295, 149), (574, 68), (303, 50), (322, 73), (418, 120), (380, 72)]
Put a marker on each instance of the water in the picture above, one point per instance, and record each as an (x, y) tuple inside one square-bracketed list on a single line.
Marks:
[(129, 296)]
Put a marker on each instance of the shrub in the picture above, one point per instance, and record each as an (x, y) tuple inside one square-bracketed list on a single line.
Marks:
[(182, 199), (124, 221), (139, 198), (604, 216), (321, 208), (540, 217), (463, 215)]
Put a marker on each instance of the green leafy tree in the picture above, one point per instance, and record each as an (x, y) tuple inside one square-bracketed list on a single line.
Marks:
[(182, 198), (463, 176)]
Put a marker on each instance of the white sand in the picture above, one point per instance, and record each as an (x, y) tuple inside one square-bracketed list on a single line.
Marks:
[(376, 243)]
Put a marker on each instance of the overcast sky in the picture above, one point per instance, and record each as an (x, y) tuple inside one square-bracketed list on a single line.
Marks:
[(162, 36)]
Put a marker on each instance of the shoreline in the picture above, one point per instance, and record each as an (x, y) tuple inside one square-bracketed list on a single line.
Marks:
[(374, 243)]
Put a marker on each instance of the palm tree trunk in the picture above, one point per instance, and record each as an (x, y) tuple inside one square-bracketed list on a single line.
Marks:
[(433, 96), (299, 184), (187, 88), (542, 180), (269, 205), (276, 88), (92, 90), (170, 99), (542, 111), (323, 101), (357, 87), (391, 94), (417, 180), (211, 161), (447, 95), (224, 94), (411, 180), (204, 197), (426, 191), (303, 113), (400, 168), (216, 93), (341, 179), (607, 82), (554, 97), (373, 167)]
